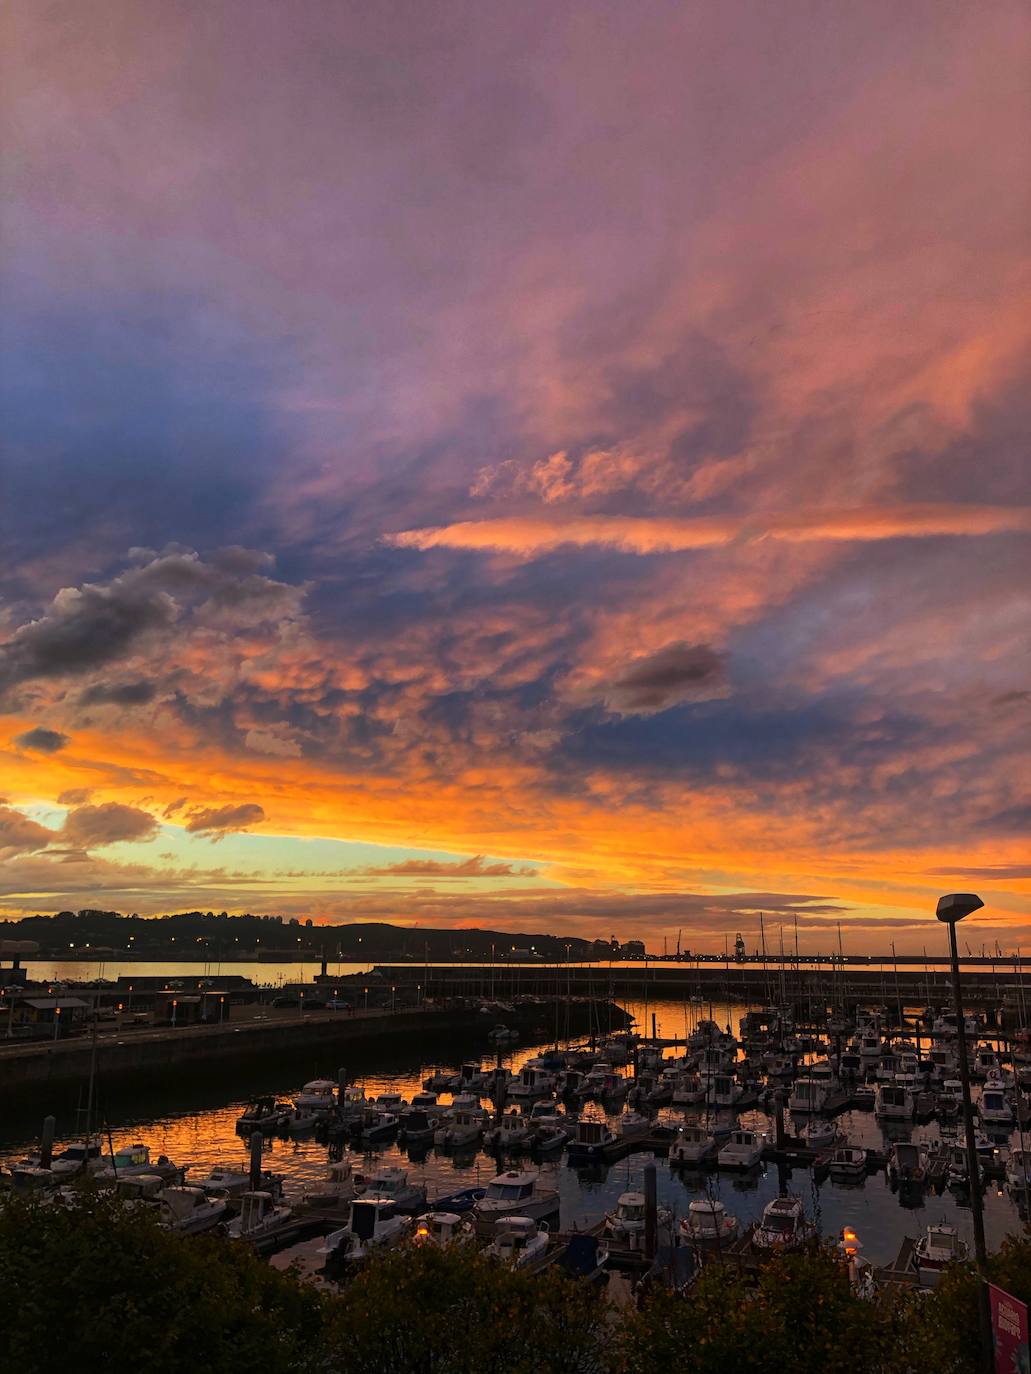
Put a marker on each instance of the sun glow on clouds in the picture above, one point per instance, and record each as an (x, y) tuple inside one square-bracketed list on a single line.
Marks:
[(584, 489)]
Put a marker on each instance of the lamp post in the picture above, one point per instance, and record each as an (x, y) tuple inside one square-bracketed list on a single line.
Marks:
[(951, 910)]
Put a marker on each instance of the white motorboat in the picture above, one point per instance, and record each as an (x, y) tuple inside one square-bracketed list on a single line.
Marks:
[(393, 1103), (142, 1188), (631, 1125), (723, 1090), (707, 1220), (847, 1164), (301, 1121), (783, 1226), (986, 1062), (260, 1216), (549, 1114), (86, 1157), (372, 1224), (227, 1182), (808, 1095), (907, 1162), (519, 1241), (591, 1140), (616, 1051), (516, 1193), (440, 1228), (894, 1101), (189, 1210), (421, 1102), (946, 1024), (391, 1182), (959, 1168), (744, 1150), (534, 1081), (546, 1138), (887, 1067), (318, 1095), (337, 1187), (994, 1107), (264, 1114), (869, 1048), (468, 1102), (417, 1127), (689, 1091), (1018, 1173), (463, 1128), (627, 1223), (378, 1127), (512, 1132), (693, 1147), (938, 1246), (819, 1135)]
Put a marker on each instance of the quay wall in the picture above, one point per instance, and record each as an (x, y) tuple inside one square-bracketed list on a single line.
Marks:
[(167, 1049), (802, 987)]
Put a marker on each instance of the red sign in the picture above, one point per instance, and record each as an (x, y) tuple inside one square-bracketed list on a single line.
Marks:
[(1009, 1332)]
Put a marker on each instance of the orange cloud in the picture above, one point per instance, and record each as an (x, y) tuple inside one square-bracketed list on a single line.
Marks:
[(530, 536)]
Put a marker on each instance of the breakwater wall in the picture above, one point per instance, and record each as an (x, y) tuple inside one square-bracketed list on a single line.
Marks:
[(810, 991), (171, 1050)]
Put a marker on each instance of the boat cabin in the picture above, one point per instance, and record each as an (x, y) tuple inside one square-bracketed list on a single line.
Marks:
[(511, 1187), (438, 1228)]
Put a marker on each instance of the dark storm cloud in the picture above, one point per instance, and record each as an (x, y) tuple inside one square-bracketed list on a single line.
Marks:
[(42, 740), (108, 823), (217, 820), (118, 694), (674, 674), (84, 628), (476, 867), (21, 835), (88, 627)]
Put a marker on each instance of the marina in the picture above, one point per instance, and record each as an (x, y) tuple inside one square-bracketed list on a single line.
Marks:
[(200, 1122)]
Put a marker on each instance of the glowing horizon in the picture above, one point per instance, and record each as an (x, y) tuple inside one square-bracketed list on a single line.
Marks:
[(529, 467)]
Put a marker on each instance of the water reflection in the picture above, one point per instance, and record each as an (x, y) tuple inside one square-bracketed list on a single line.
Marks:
[(193, 1121)]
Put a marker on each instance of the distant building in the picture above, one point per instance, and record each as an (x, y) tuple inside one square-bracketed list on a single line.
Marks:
[(634, 949)]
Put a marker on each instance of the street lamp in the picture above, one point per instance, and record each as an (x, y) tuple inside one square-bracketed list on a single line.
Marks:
[(952, 909)]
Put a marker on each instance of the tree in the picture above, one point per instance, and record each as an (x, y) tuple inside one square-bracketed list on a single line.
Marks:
[(423, 1309), (799, 1315), (100, 1284)]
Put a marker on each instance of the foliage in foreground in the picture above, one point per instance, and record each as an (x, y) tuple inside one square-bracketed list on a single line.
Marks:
[(103, 1284)]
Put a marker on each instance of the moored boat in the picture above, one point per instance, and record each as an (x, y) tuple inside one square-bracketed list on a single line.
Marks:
[(519, 1241), (848, 1164), (260, 1216), (707, 1220), (516, 1193), (744, 1150), (372, 1224), (938, 1246), (783, 1226)]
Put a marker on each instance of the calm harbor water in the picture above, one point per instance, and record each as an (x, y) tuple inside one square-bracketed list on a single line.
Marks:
[(193, 1121)]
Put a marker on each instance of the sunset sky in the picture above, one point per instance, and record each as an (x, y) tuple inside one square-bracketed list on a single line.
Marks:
[(561, 467)]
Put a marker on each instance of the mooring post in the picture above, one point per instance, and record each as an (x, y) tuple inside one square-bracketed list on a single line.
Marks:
[(650, 1211), (257, 1141), (46, 1142)]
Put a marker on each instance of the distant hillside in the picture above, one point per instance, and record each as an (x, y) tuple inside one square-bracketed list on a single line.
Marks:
[(204, 935)]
